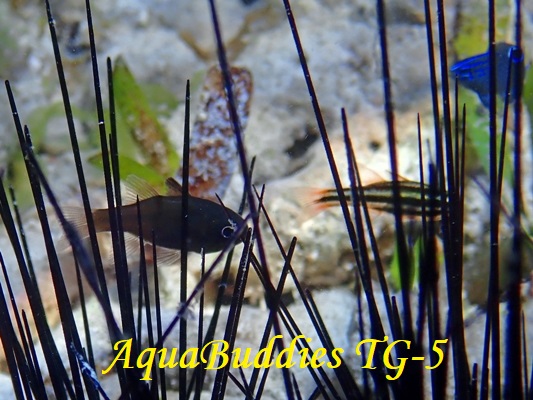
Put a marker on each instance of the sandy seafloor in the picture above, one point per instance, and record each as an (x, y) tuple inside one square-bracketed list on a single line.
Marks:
[(342, 47)]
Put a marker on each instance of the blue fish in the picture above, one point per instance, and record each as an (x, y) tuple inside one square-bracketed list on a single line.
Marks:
[(474, 72)]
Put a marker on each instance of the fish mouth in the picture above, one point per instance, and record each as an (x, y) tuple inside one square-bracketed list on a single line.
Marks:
[(238, 226), (242, 237)]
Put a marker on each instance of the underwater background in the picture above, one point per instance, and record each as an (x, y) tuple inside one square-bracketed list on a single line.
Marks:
[(337, 276)]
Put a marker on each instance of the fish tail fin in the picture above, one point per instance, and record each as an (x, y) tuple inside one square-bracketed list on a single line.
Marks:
[(312, 202), (76, 217)]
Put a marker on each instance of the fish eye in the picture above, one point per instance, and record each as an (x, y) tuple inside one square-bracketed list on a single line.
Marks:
[(228, 230), (515, 54)]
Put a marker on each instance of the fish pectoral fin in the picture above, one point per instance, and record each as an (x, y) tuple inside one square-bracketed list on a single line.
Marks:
[(173, 187), (137, 187)]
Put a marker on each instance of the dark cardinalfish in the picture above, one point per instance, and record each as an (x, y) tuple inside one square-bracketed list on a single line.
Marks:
[(379, 196), (474, 72), (210, 225)]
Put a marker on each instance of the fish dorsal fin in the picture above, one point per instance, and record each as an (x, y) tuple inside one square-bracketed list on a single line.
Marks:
[(401, 178), (137, 187), (173, 187)]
